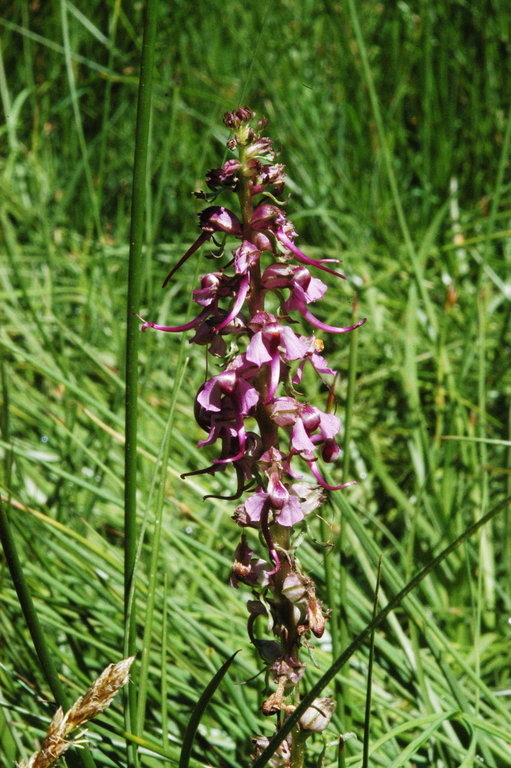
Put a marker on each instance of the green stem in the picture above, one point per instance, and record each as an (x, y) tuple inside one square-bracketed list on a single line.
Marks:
[(343, 698), (132, 338), (387, 163), (298, 748)]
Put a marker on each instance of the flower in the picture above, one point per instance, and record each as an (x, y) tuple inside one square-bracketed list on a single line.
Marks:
[(248, 418), (216, 218), (271, 343), (287, 507), (269, 218), (228, 398)]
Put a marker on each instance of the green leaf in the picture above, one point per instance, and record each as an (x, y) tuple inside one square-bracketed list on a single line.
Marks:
[(198, 711)]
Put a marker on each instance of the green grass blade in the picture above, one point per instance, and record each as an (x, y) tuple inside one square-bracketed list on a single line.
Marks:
[(196, 716), (132, 338), (367, 716)]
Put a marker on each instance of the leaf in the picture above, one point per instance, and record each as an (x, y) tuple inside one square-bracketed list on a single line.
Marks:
[(198, 711)]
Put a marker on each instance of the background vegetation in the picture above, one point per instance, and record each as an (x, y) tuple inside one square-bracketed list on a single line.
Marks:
[(393, 120)]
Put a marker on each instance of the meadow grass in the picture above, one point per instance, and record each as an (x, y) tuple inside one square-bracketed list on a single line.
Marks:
[(394, 124)]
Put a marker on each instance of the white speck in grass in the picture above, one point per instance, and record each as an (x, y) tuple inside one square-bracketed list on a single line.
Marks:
[(446, 279), (87, 471), (413, 499), (363, 475), (189, 530), (44, 438), (507, 290), (509, 620), (325, 642), (357, 280)]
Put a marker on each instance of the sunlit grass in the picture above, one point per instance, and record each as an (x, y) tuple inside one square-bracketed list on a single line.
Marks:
[(399, 121)]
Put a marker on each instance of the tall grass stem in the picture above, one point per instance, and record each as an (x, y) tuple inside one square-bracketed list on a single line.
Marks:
[(132, 338)]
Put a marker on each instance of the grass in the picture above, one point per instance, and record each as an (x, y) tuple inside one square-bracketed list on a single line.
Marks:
[(394, 124)]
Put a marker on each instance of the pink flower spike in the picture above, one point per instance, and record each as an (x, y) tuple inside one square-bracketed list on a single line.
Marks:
[(323, 483)]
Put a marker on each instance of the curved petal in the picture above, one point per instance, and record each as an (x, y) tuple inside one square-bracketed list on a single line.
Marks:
[(300, 439), (307, 315), (323, 483), (238, 303), (274, 377), (285, 240), (294, 347), (172, 329), (191, 250), (291, 513)]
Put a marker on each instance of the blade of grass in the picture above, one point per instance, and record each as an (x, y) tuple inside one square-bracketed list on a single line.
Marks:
[(387, 159), (367, 714), (132, 337), (78, 118), (195, 717), (155, 545)]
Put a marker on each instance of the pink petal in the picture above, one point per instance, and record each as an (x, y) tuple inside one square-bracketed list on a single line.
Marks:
[(330, 425), (323, 482), (191, 250), (291, 512), (210, 396), (238, 303), (257, 351), (254, 505), (300, 439), (294, 347)]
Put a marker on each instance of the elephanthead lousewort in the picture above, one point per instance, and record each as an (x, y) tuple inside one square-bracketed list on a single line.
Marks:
[(261, 359)]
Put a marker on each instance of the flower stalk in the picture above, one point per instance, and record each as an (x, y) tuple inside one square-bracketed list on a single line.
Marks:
[(267, 432)]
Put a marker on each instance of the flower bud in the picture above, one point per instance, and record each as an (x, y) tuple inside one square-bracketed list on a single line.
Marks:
[(264, 216), (310, 418), (282, 755), (277, 492), (317, 717), (224, 176), (234, 119), (293, 588), (330, 450), (216, 218)]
